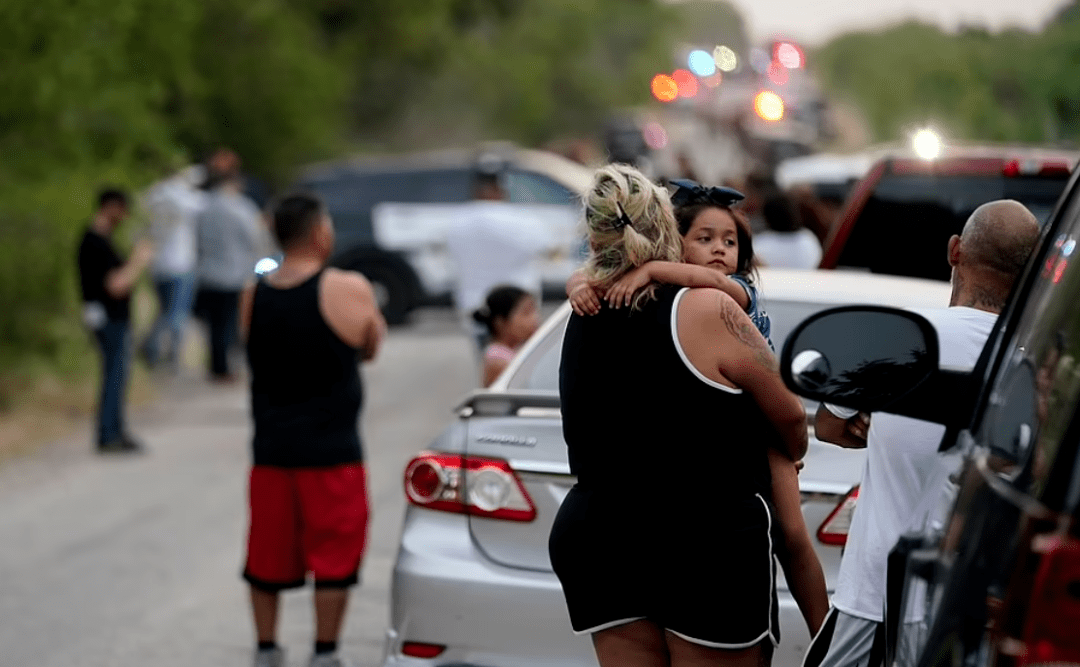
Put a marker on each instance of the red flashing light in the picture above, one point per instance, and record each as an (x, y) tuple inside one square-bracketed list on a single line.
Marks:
[(789, 55), (686, 81), (778, 74), (1011, 168)]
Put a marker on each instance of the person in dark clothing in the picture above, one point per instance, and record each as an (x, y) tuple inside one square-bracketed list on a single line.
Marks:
[(679, 380), (230, 239), (107, 281), (306, 328)]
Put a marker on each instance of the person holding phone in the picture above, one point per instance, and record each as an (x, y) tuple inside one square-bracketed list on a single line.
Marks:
[(107, 281)]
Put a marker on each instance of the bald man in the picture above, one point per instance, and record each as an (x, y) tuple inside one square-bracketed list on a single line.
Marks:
[(902, 461)]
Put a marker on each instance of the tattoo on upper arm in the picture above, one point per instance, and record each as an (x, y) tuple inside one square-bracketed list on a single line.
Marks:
[(740, 326)]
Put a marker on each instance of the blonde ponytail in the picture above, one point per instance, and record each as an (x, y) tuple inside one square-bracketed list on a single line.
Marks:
[(629, 222)]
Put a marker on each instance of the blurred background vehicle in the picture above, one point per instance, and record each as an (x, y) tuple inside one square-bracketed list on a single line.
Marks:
[(472, 583), (405, 262), (898, 217)]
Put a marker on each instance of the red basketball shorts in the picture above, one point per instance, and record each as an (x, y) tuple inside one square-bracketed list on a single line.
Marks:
[(306, 520)]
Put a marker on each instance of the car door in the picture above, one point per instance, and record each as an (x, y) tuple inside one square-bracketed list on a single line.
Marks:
[(978, 583)]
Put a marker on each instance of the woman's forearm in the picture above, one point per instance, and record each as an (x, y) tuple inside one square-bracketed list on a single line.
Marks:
[(805, 576), (806, 579)]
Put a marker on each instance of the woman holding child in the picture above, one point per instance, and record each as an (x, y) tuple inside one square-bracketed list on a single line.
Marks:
[(664, 547)]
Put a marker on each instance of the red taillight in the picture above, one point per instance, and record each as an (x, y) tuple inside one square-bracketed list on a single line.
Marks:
[(422, 650), (1035, 168), (834, 529), (467, 485), (1055, 168), (1051, 633)]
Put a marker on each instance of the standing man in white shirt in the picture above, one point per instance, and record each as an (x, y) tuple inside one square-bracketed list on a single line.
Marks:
[(174, 203), (785, 243), (902, 453), (492, 242)]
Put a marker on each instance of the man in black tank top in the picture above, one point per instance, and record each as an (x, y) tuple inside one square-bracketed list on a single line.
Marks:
[(306, 328)]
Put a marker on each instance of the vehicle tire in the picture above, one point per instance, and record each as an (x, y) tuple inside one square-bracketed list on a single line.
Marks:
[(392, 291)]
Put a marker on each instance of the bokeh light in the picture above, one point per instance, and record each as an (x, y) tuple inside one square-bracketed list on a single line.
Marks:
[(655, 136), (789, 55), (714, 81), (778, 74), (701, 63), (769, 106), (927, 144), (687, 83), (664, 88), (725, 59)]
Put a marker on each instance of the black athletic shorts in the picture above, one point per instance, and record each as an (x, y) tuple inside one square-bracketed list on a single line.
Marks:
[(705, 573)]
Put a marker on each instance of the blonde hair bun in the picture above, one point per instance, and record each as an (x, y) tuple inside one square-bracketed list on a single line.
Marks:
[(629, 222)]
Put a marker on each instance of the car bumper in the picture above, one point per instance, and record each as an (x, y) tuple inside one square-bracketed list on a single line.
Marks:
[(447, 592)]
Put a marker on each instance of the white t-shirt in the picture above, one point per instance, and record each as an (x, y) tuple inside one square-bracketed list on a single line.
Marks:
[(902, 459), (788, 250), (173, 205), (495, 243)]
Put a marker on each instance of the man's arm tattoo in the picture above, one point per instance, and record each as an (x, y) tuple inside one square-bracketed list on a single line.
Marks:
[(740, 326)]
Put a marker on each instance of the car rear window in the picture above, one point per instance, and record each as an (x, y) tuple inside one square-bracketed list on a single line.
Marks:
[(906, 223), (540, 371)]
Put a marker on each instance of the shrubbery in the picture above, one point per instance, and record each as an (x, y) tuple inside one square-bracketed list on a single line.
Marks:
[(120, 91), (1010, 87)]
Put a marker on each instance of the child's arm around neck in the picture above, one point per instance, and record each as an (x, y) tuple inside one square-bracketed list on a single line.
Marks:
[(692, 275)]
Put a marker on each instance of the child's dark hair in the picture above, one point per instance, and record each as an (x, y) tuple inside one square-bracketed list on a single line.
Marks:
[(685, 216), (500, 302)]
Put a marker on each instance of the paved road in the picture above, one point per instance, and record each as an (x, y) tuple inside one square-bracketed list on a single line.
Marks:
[(135, 561)]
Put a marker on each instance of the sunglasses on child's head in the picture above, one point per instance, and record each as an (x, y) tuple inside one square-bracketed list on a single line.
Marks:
[(689, 193)]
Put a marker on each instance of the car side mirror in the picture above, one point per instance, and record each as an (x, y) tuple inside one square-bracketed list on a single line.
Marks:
[(862, 357)]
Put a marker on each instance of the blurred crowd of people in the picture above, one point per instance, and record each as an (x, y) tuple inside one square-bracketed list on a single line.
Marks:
[(208, 235), (204, 239)]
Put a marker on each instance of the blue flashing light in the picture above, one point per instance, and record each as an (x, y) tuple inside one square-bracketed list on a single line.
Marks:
[(702, 63)]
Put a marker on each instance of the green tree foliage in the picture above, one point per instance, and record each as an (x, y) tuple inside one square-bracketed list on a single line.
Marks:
[(1013, 86), (526, 70), (120, 91)]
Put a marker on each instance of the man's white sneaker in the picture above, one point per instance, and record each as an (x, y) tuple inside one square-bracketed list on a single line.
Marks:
[(270, 657), (329, 660)]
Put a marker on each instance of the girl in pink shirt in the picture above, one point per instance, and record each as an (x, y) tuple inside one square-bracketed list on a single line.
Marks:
[(511, 316)]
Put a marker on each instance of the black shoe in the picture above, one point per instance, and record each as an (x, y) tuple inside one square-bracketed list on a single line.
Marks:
[(122, 445)]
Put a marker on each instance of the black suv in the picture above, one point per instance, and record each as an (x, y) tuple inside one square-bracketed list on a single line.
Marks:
[(352, 188), (998, 576)]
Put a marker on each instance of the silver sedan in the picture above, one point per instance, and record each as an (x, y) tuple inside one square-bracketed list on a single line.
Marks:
[(472, 584)]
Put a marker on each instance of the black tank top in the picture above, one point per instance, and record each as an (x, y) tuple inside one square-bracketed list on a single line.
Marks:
[(639, 420), (306, 392)]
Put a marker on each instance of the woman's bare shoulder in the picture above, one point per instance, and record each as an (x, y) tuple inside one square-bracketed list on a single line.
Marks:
[(706, 302)]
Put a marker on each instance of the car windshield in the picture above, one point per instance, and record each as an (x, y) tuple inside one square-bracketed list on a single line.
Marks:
[(540, 371)]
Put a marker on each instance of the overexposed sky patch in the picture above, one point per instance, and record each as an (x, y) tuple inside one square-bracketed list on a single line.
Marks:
[(815, 21)]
